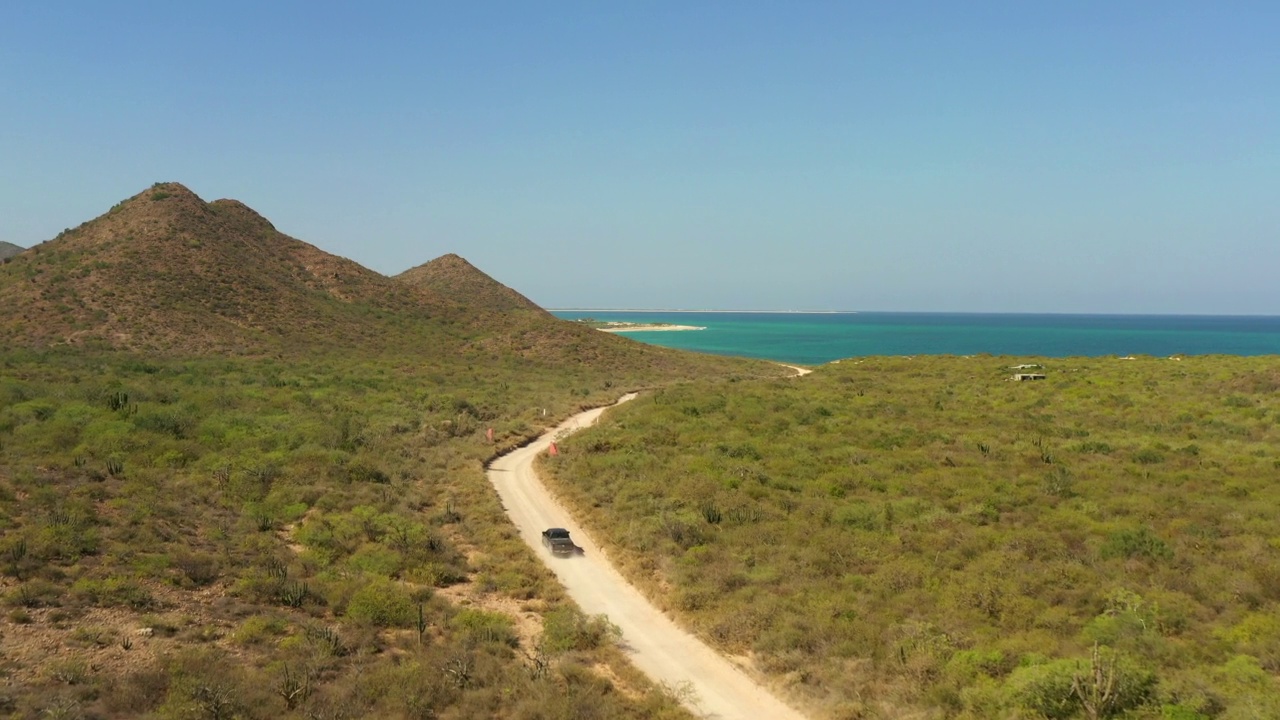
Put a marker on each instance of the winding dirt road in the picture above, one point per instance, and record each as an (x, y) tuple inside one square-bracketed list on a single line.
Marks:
[(656, 646)]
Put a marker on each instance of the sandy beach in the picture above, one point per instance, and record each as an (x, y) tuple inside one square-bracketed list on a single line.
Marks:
[(622, 327)]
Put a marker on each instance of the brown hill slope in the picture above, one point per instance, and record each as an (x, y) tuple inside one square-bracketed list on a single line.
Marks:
[(523, 329), (165, 270), (8, 250), (453, 277)]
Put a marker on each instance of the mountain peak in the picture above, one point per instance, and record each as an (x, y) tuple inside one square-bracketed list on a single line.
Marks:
[(453, 277), (172, 194), (165, 270), (8, 250), (172, 188)]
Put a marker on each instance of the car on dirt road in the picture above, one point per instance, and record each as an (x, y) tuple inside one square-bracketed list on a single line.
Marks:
[(558, 542)]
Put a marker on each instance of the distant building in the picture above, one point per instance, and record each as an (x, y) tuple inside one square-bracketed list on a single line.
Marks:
[(1028, 376)]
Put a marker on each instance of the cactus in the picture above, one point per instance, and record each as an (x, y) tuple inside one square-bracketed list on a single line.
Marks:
[(222, 475), (294, 594), (118, 401), (293, 688), (16, 553), (115, 467), (329, 638), (277, 569)]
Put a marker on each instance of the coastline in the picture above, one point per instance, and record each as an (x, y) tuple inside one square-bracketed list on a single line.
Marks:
[(814, 339), (648, 328), (697, 312)]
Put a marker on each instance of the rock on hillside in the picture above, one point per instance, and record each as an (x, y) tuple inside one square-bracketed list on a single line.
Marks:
[(454, 277), (8, 250)]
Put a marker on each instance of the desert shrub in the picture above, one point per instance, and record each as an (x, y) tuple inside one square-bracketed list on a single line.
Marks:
[(1106, 686), (567, 628), (375, 559), (1258, 635), (259, 629), (382, 603), (1135, 542), (175, 422), (485, 627), (113, 592), (1148, 456), (137, 691), (34, 594), (1250, 690), (363, 472), (206, 684), (198, 568)]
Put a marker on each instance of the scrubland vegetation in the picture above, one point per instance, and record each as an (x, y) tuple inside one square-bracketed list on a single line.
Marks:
[(218, 538), (248, 483), (921, 537), (241, 477)]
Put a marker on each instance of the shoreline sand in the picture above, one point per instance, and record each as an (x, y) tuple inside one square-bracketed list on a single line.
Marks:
[(648, 328)]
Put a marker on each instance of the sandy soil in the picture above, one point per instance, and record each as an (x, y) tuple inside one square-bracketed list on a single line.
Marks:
[(663, 651), (649, 328)]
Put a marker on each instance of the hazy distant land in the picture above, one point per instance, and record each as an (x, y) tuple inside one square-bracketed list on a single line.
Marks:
[(8, 249)]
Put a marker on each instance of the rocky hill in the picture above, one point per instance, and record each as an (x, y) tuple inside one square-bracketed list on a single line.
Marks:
[(453, 277), (8, 250), (165, 271)]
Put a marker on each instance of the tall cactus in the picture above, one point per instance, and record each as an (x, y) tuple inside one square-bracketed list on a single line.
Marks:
[(118, 401)]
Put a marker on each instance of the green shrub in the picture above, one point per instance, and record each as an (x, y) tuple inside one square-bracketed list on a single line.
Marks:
[(198, 568), (35, 593), (113, 592), (1179, 712), (362, 472), (566, 628), (382, 603), (260, 629), (1104, 686), (1132, 543), (374, 559), (1148, 456), (483, 626)]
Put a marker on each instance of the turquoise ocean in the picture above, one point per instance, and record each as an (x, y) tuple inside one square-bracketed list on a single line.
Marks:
[(815, 338)]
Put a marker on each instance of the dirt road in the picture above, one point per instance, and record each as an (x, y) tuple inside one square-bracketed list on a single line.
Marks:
[(654, 643)]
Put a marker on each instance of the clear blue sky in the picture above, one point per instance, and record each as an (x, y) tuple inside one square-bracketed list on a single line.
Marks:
[(969, 156)]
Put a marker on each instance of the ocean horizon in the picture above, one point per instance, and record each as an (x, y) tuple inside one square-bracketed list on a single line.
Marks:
[(814, 337)]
